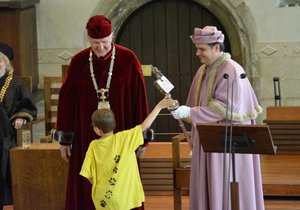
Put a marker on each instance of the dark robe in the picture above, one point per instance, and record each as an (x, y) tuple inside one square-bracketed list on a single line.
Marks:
[(17, 103), (78, 100)]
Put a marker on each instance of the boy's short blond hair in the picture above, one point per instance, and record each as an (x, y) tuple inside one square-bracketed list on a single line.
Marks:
[(104, 119)]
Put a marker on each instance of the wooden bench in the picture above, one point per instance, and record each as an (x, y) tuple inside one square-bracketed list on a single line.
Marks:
[(284, 123), (157, 167), (281, 172), (280, 175), (52, 87)]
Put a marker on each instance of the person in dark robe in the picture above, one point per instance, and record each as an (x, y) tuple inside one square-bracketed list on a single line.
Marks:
[(16, 108), (104, 75)]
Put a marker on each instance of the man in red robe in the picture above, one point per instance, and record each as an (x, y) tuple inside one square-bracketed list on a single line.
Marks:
[(103, 75)]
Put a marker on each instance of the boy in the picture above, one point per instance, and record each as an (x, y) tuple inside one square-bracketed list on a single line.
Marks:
[(110, 163)]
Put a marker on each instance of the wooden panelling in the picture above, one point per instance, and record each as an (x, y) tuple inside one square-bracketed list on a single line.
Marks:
[(281, 113), (157, 173), (39, 177), (284, 123), (157, 166), (280, 175), (19, 30)]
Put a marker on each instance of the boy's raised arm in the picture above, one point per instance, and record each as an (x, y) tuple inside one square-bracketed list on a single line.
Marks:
[(164, 103)]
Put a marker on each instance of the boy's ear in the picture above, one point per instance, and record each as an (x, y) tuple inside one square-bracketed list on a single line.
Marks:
[(98, 131)]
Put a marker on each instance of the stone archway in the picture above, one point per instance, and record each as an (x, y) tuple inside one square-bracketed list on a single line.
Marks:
[(235, 17)]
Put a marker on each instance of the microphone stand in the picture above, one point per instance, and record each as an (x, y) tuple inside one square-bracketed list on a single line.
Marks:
[(225, 76), (234, 186)]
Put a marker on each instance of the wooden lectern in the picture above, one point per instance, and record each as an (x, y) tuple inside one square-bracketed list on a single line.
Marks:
[(39, 177), (247, 139)]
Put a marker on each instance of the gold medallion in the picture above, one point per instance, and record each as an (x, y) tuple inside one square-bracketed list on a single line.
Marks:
[(103, 105), (103, 98), (103, 102)]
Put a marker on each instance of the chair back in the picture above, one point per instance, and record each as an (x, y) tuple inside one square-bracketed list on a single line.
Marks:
[(52, 87)]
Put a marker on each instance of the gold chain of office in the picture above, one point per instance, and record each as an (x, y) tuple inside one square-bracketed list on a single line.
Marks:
[(102, 93), (5, 86)]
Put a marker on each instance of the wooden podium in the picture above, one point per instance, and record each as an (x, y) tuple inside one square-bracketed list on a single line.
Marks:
[(39, 177), (246, 139), (250, 139)]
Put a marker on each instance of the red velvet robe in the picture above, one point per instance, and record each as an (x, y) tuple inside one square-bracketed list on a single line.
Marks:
[(78, 100)]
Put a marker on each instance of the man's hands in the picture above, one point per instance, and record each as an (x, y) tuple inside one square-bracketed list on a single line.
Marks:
[(65, 151), (19, 122), (181, 112)]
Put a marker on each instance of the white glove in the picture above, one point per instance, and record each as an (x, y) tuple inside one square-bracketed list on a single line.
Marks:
[(181, 112)]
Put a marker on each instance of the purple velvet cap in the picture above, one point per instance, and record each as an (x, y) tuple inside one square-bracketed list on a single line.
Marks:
[(207, 35)]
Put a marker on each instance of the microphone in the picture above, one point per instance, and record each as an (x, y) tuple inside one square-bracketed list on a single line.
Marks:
[(243, 76), (225, 76)]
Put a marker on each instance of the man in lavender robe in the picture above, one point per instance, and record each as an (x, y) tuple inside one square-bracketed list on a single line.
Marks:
[(207, 103)]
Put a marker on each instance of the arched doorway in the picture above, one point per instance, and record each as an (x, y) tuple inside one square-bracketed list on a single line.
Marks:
[(158, 32)]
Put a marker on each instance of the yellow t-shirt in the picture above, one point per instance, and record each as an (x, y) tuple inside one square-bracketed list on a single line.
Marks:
[(111, 165)]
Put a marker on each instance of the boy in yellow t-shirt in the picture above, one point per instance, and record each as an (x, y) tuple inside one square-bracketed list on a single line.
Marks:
[(110, 163)]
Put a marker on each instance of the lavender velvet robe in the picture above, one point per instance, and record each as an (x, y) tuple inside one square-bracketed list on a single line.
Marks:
[(206, 181)]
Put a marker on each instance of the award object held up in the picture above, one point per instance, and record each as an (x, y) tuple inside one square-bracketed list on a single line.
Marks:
[(164, 86)]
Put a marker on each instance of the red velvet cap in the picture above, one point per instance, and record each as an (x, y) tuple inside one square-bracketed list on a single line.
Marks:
[(98, 27)]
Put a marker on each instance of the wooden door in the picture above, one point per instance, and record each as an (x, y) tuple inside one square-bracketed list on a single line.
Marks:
[(159, 34)]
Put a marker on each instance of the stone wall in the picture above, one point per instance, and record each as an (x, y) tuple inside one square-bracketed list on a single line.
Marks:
[(272, 32)]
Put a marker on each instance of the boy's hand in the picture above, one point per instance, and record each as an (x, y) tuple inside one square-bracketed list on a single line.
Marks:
[(167, 102)]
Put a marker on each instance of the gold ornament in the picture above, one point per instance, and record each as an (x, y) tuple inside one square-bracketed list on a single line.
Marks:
[(5, 86), (102, 94)]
